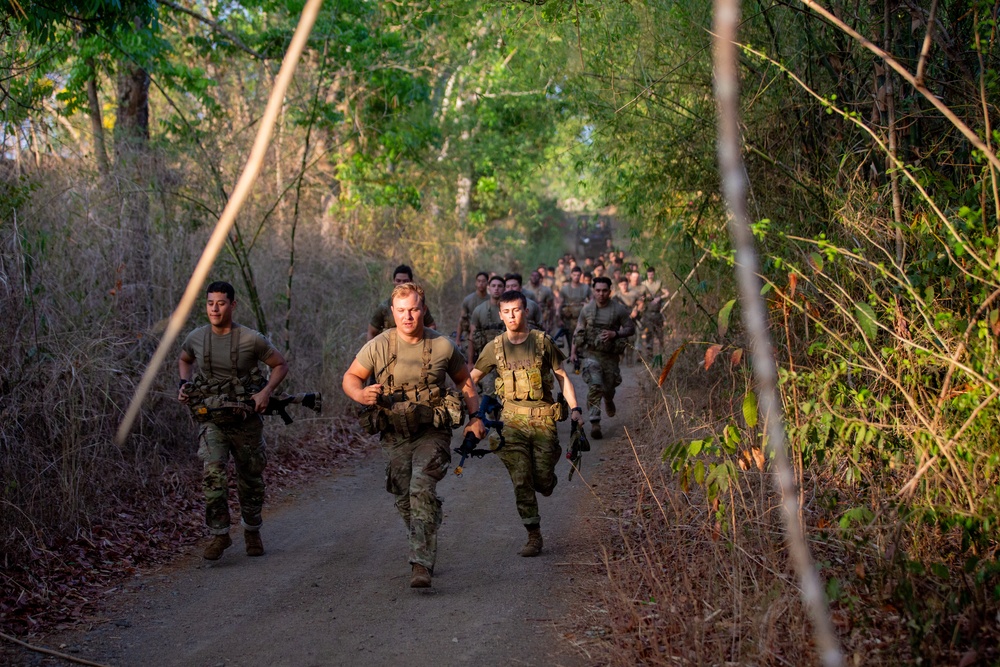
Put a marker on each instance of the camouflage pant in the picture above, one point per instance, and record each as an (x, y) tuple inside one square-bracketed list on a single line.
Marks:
[(652, 329), (414, 467), (530, 453), (245, 442), (602, 375)]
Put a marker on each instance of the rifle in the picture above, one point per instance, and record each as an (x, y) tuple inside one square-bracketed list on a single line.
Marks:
[(578, 445), (276, 405), (489, 404)]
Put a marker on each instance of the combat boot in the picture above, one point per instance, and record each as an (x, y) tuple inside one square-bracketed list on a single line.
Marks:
[(420, 576), (595, 431), (215, 548), (254, 545), (534, 545), (609, 406)]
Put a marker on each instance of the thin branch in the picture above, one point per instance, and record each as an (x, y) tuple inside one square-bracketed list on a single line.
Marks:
[(734, 186), (926, 48), (214, 25)]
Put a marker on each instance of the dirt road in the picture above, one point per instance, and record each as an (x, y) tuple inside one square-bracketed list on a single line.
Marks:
[(332, 588)]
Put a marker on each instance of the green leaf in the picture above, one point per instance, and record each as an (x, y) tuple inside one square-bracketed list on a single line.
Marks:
[(750, 409), (731, 440), (699, 472), (724, 316), (695, 447), (866, 318)]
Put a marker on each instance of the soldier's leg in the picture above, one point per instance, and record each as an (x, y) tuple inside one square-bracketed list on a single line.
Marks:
[(213, 450), (516, 457), (545, 454), (612, 377), (250, 458), (430, 464), (590, 371), (398, 469)]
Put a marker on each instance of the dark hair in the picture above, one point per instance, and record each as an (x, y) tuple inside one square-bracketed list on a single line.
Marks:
[(603, 279), (512, 295), (650, 267), (575, 269), (223, 287), (497, 277), (403, 268), (514, 276), (484, 274)]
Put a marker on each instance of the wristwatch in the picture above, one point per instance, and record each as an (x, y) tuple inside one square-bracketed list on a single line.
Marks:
[(183, 382)]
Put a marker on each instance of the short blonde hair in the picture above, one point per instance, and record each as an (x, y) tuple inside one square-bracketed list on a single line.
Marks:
[(405, 290)]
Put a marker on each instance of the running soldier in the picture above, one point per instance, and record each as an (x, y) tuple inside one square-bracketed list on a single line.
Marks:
[(228, 356), (382, 317), (485, 325), (652, 317), (600, 336), (572, 296), (543, 296), (414, 412), (525, 361), (512, 283), (469, 304)]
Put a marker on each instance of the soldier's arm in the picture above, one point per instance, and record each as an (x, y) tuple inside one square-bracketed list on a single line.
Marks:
[(463, 381), (580, 324), (279, 370), (566, 386), (627, 327), (471, 352), (354, 387), (185, 364)]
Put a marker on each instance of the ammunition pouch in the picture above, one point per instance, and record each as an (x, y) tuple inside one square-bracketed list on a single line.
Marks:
[(482, 336), (570, 311), (590, 338), (223, 402), (563, 405), (407, 418)]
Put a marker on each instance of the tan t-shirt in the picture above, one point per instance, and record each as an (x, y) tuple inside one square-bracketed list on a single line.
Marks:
[(252, 346), (522, 355), (574, 295), (445, 359)]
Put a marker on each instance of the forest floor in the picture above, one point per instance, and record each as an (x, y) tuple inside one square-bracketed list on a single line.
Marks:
[(332, 588)]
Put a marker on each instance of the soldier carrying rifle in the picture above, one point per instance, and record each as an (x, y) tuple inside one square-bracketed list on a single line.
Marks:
[(228, 355)]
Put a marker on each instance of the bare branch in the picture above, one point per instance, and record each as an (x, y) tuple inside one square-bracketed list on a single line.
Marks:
[(214, 25)]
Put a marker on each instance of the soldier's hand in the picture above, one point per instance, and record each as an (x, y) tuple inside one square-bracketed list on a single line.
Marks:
[(260, 399), (370, 394), (576, 414), (182, 395), (607, 335), (477, 428)]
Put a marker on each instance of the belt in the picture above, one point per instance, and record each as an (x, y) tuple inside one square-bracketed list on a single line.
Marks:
[(547, 411)]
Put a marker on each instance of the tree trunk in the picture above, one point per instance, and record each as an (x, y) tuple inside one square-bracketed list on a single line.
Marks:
[(96, 123), (132, 170)]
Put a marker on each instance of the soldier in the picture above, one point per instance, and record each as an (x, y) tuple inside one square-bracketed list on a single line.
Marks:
[(632, 300), (227, 355), (652, 318), (382, 317), (600, 336), (469, 304), (543, 296), (415, 414), (512, 283), (485, 325), (525, 360), (571, 299)]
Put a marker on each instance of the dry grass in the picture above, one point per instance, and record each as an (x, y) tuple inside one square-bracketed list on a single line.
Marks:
[(688, 582)]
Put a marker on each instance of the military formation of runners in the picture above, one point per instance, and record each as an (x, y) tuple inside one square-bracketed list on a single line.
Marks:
[(416, 386)]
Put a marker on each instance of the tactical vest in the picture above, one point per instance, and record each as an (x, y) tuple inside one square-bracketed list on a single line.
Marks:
[(523, 384), (407, 409), (571, 309), (589, 337), (484, 334), (225, 401)]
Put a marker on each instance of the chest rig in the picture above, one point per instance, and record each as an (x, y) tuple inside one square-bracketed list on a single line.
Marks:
[(520, 384), (406, 409), (589, 337), (225, 401)]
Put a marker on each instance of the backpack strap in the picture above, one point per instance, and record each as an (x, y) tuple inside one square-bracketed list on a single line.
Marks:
[(234, 349)]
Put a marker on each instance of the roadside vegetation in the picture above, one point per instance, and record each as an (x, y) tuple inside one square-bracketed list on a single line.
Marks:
[(453, 136)]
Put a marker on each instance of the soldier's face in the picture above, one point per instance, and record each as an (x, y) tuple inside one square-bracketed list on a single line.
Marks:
[(496, 288), (401, 278), (633, 278), (513, 316), (513, 286), (219, 309), (408, 311), (536, 277), (650, 276), (481, 284), (574, 277), (602, 293)]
